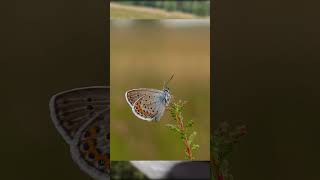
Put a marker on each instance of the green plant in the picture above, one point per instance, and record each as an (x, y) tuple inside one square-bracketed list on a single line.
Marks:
[(222, 144), (182, 128)]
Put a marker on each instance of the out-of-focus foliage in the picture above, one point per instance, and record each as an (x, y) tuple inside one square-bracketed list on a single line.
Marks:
[(124, 170), (121, 11), (222, 144), (196, 7)]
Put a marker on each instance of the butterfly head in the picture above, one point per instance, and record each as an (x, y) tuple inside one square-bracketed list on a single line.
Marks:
[(166, 91), (167, 96)]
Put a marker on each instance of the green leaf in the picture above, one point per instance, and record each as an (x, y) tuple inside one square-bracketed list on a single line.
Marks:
[(195, 147), (174, 128), (191, 137), (189, 124)]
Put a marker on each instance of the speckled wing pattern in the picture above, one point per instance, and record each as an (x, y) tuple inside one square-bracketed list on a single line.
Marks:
[(71, 109), (82, 118), (146, 104), (91, 150)]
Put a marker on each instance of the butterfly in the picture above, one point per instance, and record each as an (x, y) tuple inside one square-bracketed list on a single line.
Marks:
[(82, 118), (149, 104)]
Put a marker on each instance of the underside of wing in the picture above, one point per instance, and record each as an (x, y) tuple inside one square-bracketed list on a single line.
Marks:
[(91, 147), (71, 109), (148, 109), (133, 95)]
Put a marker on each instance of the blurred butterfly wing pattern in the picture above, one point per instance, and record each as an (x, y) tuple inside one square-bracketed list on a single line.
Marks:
[(82, 118), (92, 148), (146, 104)]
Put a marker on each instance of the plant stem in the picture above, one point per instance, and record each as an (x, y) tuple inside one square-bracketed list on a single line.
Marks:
[(181, 126)]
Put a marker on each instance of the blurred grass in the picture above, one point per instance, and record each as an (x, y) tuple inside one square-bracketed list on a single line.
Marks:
[(144, 54), (118, 11)]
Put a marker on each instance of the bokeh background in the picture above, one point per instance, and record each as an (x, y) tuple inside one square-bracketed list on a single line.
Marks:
[(125, 170), (158, 9), (145, 54), (266, 74), (49, 47)]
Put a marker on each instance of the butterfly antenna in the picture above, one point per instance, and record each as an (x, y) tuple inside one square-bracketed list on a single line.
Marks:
[(165, 83)]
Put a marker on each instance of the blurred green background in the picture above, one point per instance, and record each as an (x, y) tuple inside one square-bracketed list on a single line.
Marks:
[(145, 54), (170, 9), (124, 11)]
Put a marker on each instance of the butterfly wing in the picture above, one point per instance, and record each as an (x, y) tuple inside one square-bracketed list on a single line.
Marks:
[(133, 95), (71, 109), (150, 106), (91, 147)]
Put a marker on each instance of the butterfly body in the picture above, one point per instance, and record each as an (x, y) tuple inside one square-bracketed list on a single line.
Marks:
[(148, 104), (82, 118)]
